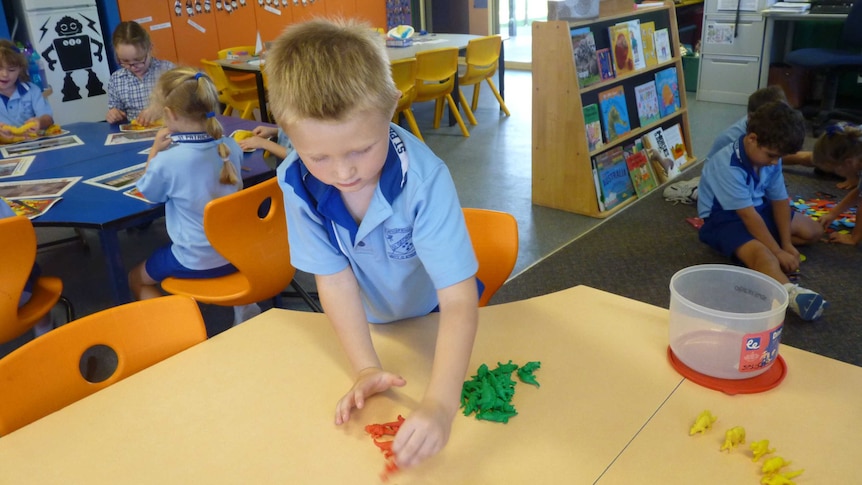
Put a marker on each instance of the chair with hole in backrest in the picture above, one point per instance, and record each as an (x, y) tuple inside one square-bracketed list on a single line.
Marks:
[(495, 241), (249, 229), (91, 353), (19, 239), (404, 75), (242, 99), (239, 79), (436, 72), (482, 58)]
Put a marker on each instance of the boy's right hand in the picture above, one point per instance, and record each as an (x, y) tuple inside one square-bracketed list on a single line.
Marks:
[(789, 260), (369, 382)]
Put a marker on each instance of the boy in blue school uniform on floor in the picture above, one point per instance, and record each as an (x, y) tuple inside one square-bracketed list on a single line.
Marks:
[(744, 204), (374, 215), (23, 102)]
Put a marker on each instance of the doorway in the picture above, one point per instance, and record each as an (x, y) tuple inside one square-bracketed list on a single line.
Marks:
[(515, 18)]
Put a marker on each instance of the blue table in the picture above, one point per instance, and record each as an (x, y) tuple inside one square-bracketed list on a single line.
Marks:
[(109, 212)]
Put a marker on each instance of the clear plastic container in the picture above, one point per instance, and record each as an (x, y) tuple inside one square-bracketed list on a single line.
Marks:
[(726, 321)]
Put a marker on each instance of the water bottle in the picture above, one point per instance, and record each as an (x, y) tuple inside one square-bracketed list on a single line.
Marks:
[(37, 74)]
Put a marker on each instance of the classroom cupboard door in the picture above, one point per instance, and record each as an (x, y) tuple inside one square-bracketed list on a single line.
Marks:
[(273, 17), (195, 33), (155, 17), (236, 27)]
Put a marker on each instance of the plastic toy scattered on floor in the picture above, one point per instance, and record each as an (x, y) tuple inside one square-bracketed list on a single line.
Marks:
[(816, 208), (489, 393), (760, 448), (780, 478), (378, 431), (773, 465), (702, 423), (733, 437)]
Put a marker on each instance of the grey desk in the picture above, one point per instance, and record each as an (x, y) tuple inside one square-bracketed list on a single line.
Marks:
[(778, 36)]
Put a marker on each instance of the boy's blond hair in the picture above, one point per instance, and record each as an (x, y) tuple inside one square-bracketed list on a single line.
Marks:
[(11, 56), (327, 69)]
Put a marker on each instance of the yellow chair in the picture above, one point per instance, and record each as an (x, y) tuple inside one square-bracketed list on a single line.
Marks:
[(404, 75), (234, 97), (241, 80), (19, 239), (436, 72), (482, 58), (91, 353), (495, 241), (249, 229)]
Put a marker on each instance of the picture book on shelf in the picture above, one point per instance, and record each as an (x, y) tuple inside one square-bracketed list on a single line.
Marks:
[(621, 48), (667, 88), (662, 45), (648, 39), (659, 155), (593, 127), (615, 115), (641, 173), (614, 177), (606, 64), (647, 103), (676, 145), (637, 44), (586, 65), (600, 198)]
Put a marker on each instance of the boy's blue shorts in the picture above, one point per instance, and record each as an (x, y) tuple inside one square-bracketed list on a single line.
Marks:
[(163, 263), (725, 232)]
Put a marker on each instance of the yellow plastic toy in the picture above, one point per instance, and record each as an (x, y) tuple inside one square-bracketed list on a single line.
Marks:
[(760, 448), (20, 133), (773, 465), (702, 423), (241, 134), (733, 437), (780, 478)]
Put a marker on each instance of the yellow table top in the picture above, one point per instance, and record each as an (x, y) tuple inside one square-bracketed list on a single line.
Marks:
[(255, 405)]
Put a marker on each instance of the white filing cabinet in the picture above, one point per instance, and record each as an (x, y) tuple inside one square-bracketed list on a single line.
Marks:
[(731, 51)]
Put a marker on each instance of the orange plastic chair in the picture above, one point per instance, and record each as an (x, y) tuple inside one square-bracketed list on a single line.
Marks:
[(234, 97), (482, 58), (241, 80), (19, 239), (495, 241), (249, 229), (436, 71), (404, 75), (84, 356)]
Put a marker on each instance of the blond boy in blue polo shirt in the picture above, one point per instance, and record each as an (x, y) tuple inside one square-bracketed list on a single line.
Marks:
[(374, 215)]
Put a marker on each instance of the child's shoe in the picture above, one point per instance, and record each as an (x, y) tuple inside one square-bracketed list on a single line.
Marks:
[(804, 302), (244, 312)]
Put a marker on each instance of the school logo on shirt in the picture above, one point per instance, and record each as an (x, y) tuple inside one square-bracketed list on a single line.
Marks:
[(400, 242)]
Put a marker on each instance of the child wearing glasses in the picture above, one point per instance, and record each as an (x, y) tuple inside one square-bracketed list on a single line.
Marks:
[(130, 86), (23, 103), (374, 214), (190, 164)]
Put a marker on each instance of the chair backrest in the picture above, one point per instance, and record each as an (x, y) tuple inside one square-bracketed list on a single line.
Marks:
[(482, 58), (216, 73), (19, 239), (249, 229), (851, 34), (495, 241), (436, 70), (404, 75), (91, 353)]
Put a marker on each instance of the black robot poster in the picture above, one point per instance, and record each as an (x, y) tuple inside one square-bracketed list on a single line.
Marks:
[(72, 47)]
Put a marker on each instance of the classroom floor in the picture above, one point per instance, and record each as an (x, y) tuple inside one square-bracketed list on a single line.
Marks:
[(491, 168)]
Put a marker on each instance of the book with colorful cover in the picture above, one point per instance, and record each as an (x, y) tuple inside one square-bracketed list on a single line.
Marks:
[(593, 126), (586, 65), (606, 64), (662, 45), (614, 177), (31, 208), (659, 155), (600, 198), (615, 115), (637, 43), (647, 103), (641, 173), (621, 48), (667, 88), (676, 145), (648, 38)]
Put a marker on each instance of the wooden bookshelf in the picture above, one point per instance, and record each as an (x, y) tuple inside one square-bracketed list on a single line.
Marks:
[(562, 171)]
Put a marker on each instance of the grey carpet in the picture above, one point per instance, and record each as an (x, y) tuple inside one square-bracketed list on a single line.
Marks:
[(636, 252)]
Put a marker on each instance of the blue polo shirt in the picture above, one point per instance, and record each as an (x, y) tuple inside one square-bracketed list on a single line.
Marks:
[(412, 241), (729, 183), (25, 103), (728, 136)]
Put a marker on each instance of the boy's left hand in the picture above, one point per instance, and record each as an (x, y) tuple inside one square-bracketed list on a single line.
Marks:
[(788, 258), (368, 382), (422, 435)]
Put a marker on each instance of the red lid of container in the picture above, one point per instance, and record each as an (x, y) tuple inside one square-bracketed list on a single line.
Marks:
[(763, 382)]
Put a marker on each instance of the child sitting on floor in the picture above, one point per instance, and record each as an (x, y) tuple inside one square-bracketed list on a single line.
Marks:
[(839, 150), (743, 202)]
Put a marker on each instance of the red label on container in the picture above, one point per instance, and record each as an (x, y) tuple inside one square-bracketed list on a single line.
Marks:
[(759, 350)]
